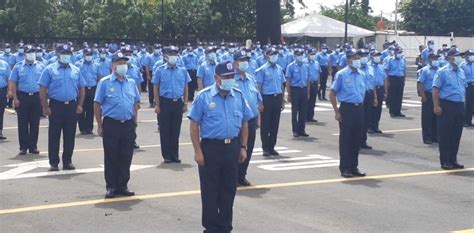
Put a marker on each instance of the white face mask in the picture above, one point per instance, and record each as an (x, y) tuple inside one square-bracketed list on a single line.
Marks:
[(102, 55), (39, 55), (8, 50), (30, 56), (88, 58), (21, 50), (121, 69), (377, 59)]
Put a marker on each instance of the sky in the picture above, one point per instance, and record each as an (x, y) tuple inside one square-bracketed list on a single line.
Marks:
[(386, 6)]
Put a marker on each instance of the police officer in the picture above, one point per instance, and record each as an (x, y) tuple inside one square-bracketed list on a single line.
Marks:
[(206, 71), (426, 52), (104, 64), (63, 84), (449, 88), (89, 72), (246, 83), (429, 121), (380, 85), (333, 60), (4, 75), (144, 63), (395, 68), (218, 116), (323, 59), (8, 56), (468, 67), (314, 71), (170, 87), (370, 99), (297, 80), (270, 80), (20, 53), (349, 88), (117, 101), (25, 91), (190, 60)]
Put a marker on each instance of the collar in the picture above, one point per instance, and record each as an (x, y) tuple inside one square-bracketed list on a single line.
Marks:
[(432, 67), (113, 78), (34, 62), (451, 68), (171, 68), (57, 65), (215, 90), (240, 77)]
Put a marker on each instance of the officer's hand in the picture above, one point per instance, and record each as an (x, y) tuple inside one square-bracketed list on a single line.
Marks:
[(423, 99), (438, 111), (199, 158), (338, 116), (79, 109), (243, 155), (47, 111), (288, 98), (9, 94), (261, 108), (99, 131), (385, 96), (376, 102), (157, 109), (185, 108), (16, 103)]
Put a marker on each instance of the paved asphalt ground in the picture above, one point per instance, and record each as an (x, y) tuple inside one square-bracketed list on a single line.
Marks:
[(300, 191)]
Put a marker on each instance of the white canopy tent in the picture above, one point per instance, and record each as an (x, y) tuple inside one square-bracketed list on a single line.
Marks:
[(316, 25)]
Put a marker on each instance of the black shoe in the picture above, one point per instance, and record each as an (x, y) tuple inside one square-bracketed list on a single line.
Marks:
[(53, 169), (295, 135), (136, 146), (2, 137), (167, 161), (371, 131), (83, 132), (89, 132), (392, 115), (304, 134), (358, 173), (176, 160), (365, 146), (125, 192), (266, 153), (274, 153), (22, 152), (429, 142), (400, 115), (446, 166), (324, 98), (110, 193), (456, 165), (69, 166), (468, 125), (312, 120), (34, 151), (347, 174), (320, 98), (244, 182), (378, 131)]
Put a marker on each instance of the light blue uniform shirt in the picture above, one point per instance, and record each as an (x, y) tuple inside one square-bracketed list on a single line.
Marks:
[(282, 62), (172, 81), (26, 76), (154, 58), (379, 74), (271, 78), (426, 76), (385, 54), (133, 72), (249, 89), (220, 117), (62, 82), (88, 72), (190, 61), (4, 73), (451, 83), (104, 67), (117, 98), (206, 72), (424, 55), (18, 57), (395, 66), (369, 77), (314, 70), (144, 59), (8, 58), (342, 62), (333, 58), (298, 73), (323, 59), (468, 68), (349, 86)]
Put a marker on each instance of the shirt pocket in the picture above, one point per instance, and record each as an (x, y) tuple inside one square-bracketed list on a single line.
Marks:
[(238, 118)]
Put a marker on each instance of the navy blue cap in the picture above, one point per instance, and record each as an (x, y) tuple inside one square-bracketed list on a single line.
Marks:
[(240, 54), (298, 52), (454, 52), (271, 51), (469, 52), (102, 50), (432, 55), (312, 51), (211, 49), (362, 51), (87, 51), (225, 68), (171, 49), (119, 56), (431, 42), (7, 45), (324, 46), (350, 53), (63, 48), (398, 50), (375, 53), (30, 49)]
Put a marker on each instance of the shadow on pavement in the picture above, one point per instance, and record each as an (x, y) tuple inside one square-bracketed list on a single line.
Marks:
[(372, 152), (253, 193), (174, 166), (118, 206), (371, 183)]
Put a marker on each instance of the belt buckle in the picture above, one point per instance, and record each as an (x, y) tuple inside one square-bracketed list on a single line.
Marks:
[(175, 100), (88, 88), (356, 104), (30, 94), (275, 95), (227, 141), (67, 102), (122, 121)]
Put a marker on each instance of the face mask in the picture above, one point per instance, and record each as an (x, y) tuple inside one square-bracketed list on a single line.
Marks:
[(280, 51), (399, 55), (258, 46), (273, 59), (135, 51), (172, 60), (30, 56), (244, 65), (121, 70), (227, 84), (8, 50), (430, 46), (102, 55), (325, 50), (299, 58), (231, 50), (157, 51), (88, 58), (364, 60), (377, 59), (65, 58), (338, 50), (312, 57), (39, 55), (458, 60), (21, 50), (143, 50), (356, 64), (471, 58), (435, 63), (212, 56)]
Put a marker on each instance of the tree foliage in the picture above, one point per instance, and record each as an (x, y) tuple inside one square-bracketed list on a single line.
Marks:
[(356, 16), (439, 17)]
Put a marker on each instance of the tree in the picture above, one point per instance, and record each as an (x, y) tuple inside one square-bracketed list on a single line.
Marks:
[(439, 17), (356, 15)]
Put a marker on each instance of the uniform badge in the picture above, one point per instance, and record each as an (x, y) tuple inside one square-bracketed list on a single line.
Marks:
[(212, 105), (111, 89), (347, 80), (55, 72)]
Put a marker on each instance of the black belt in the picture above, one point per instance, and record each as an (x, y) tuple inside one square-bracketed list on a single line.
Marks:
[(117, 121), (378, 87), (28, 93), (164, 99), (62, 102), (298, 87), (313, 82), (352, 104), (470, 84), (272, 95), (90, 88), (369, 91), (220, 141), (3, 88)]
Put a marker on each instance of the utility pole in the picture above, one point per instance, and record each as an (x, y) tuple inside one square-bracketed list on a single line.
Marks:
[(162, 18), (345, 21), (396, 17)]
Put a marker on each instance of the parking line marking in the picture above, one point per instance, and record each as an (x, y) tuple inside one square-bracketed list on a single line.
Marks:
[(101, 149), (391, 131), (464, 231), (194, 192)]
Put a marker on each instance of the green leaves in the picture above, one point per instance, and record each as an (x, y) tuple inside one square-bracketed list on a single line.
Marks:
[(357, 15)]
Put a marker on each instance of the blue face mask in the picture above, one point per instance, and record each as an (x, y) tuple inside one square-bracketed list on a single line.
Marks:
[(244, 65), (458, 60), (471, 58), (122, 70), (227, 84), (435, 63), (65, 58), (299, 58), (377, 59), (212, 56), (172, 60), (356, 64), (273, 59), (364, 60)]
